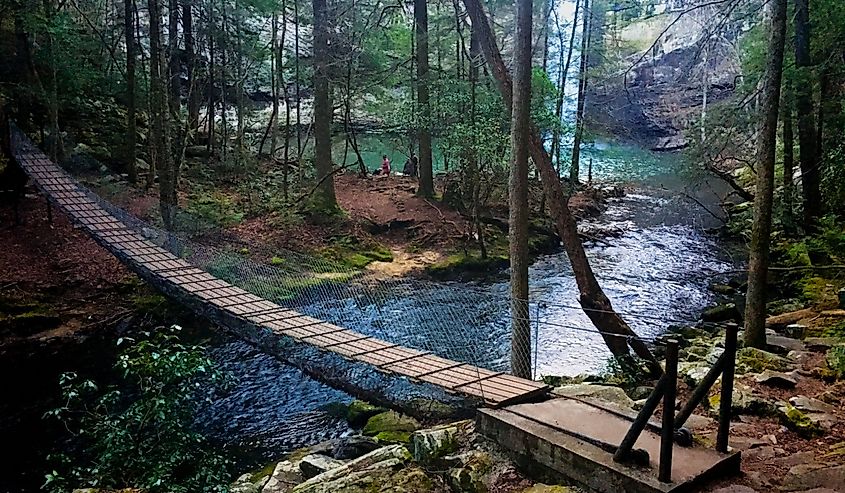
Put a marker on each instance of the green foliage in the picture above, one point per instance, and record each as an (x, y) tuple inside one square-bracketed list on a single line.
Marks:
[(836, 360), (140, 434), (348, 252), (214, 207)]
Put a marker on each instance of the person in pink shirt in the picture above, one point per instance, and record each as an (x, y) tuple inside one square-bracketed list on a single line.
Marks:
[(385, 165)]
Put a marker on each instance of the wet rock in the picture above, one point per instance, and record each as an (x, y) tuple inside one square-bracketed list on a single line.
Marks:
[(285, 476), (434, 443), (809, 476), (776, 379), (721, 313), (390, 421), (799, 422), (359, 412), (751, 359), (314, 464), (354, 447), (607, 393)]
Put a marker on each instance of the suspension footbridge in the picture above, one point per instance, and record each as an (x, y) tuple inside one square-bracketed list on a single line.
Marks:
[(585, 441), (241, 308)]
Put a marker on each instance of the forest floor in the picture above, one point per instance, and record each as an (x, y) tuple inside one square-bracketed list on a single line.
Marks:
[(384, 225)]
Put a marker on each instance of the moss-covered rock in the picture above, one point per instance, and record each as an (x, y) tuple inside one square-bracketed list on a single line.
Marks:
[(721, 313), (393, 437), (433, 443), (799, 422), (390, 421), (469, 478), (745, 401), (755, 360), (359, 412)]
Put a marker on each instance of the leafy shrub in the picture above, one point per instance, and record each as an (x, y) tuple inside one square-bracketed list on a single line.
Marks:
[(836, 360), (139, 434)]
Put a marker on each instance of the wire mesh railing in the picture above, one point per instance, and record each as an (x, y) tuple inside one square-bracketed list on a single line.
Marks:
[(457, 321)]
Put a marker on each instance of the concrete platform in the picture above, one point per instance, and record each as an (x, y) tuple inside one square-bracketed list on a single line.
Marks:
[(538, 432)]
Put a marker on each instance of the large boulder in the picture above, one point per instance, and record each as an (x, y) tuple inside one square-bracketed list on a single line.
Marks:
[(755, 360), (745, 401), (433, 443), (392, 457), (314, 464), (285, 476), (613, 395), (390, 421)]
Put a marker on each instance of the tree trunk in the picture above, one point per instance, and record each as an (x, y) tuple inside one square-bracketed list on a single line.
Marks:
[(808, 157), (582, 93), (474, 163), (518, 193), (194, 91), (211, 117), (616, 333), (131, 131), (272, 125), (426, 188), (174, 98), (325, 194), (758, 264), (298, 94), (159, 128), (280, 61), (788, 159)]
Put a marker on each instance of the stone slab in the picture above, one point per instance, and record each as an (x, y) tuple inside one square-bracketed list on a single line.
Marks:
[(547, 433)]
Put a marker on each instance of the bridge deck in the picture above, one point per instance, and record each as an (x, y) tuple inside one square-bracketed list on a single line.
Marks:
[(495, 389)]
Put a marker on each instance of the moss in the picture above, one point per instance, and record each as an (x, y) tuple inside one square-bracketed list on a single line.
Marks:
[(457, 264), (277, 261), (818, 290), (358, 412), (389, 437), (290, 287), (835, 359), (335, 409), (799, 422), (31, 322), (149, 303), (349, 252), (433, 409), (756, 360), (264, 472), (390, 421)]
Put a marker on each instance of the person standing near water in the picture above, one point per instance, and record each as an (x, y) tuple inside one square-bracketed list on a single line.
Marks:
[(411, 166), (385, 165)]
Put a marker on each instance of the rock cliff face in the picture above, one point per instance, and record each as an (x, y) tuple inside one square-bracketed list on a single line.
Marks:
[(656, 98)]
